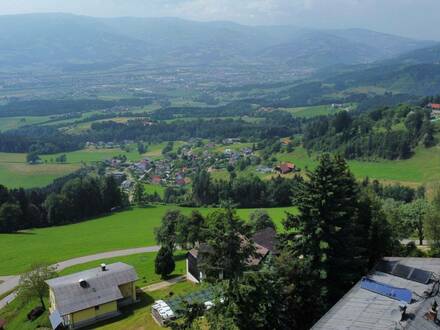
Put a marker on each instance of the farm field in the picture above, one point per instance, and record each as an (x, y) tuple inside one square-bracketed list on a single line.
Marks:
[(128, 229), (313, 111), (15, 172), (91, 155), (8, 123)]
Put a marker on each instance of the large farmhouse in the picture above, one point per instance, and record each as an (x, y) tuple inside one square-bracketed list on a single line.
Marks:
[(90, 296)]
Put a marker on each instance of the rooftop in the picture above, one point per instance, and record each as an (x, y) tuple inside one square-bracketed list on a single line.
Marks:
[(364, 309), (99, 287)]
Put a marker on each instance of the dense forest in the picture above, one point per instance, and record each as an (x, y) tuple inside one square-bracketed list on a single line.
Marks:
[(53, 107), (66, 201), (390, 133)]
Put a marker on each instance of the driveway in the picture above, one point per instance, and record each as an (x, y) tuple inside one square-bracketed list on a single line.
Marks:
[(11, 282)]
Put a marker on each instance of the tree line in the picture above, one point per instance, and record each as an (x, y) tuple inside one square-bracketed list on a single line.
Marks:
[(76, 200)]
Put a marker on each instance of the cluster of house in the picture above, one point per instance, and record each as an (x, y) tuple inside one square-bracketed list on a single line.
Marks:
[(105, 145), (160, 172)]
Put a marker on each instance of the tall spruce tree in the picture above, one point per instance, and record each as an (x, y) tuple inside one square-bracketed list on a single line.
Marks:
[(322, 254)]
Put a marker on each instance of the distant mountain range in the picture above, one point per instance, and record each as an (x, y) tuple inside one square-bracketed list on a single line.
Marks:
[(416, 73), (61, 40)]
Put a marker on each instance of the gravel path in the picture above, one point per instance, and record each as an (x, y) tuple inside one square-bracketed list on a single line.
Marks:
[(11, 282), (163, 284)]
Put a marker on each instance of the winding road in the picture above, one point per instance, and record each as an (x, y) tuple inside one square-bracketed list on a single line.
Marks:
[(9, 283)]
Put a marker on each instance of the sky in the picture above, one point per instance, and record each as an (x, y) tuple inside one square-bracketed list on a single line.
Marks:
[(412, 18)]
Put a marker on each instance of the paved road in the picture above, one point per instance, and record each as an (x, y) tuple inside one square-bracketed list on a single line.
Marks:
[(11, 282)]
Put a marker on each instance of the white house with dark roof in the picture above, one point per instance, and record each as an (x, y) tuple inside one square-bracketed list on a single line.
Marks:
[(83, 298)]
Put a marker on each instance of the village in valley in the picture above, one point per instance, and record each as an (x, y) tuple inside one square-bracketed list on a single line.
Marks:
[(175, 166)]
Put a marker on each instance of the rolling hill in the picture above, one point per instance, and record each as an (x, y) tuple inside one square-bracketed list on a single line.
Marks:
[(58, 41)]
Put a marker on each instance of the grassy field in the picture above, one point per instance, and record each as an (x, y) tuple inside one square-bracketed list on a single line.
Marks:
[(143, 263), (8, 123), (152, 188), (138, 317), (314, 111), (128, 229), (422, 168), (92, 155), (15, 172)]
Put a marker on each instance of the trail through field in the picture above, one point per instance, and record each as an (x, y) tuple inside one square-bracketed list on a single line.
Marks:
[(11, 282)]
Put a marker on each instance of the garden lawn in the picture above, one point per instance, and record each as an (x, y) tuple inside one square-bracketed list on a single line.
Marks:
[(138, 317), (143, 263), (152, 188), (123, 230)]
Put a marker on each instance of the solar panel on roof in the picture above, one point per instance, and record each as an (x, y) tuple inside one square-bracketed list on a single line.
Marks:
[(389, 291), (385, 266), (402, 271), (420, 275), (406, 272)]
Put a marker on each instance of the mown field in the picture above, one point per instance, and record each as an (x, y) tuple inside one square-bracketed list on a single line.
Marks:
[(313, 111), (128, 229), (15, 172)]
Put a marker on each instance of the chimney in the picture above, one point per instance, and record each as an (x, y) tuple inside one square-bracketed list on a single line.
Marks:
[(83, 283), (103, 267)]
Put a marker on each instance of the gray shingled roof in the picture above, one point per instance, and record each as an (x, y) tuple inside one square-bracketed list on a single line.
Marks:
[(103, 287), (362, 309)]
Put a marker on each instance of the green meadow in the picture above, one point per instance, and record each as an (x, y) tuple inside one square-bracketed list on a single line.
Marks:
[(15, 172), (152, 188), (8, 123), (313, 111), (128, 229), (422, 168)]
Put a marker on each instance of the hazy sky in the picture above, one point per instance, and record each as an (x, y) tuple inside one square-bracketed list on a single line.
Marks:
[(414, 18)]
